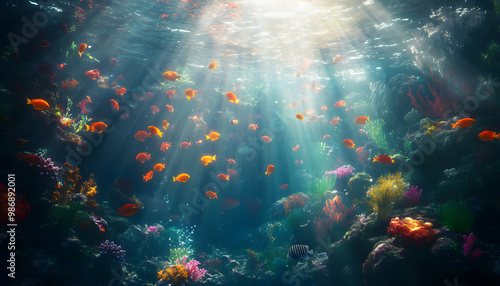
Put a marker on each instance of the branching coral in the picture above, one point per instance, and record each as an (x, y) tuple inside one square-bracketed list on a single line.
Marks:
[(293, 202), (175, 274), (334, 213), (193, 271), (385, 193), (72, 185), (412, 230), (455, 216)]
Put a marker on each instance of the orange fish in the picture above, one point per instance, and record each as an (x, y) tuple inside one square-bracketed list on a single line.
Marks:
[(142, 157), (232, 172), (266, 139), (185, 145), (155, 109), (213, 136), (326, 137), (155, 131), (360, 149), (205, 160), (296, 148), (93, 74), (232, 97), (293, 104), (170, 108), (148, 176), (299, 116), (361, 120), (165, 124), (340, 103), (31, 159), (97, 127), (231, 161), (337, 59), (299, 162), (253, 126), (324, 107), (82, 48), (269, 170), (189, 93), (38, 104), (488, 136), (120, 91), (463, 123), (284, 187), (170, 93), (223, 177), (128, 210), (171, 76), (384, 159), (141, 135), (165, 146), (233, 121), (114, 104), (212, 65), (211, 195), (199, 142), (158, 167), (182, 178), (335, 121), (348, 143)]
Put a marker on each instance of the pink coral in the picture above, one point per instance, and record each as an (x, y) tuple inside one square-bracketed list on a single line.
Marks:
[(413, 194), (335, 213), (194, 272)]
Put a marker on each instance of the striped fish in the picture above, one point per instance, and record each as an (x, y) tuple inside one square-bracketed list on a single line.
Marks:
[(299, 251)]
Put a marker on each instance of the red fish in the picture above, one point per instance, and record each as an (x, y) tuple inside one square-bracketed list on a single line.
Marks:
[(38, 104), (296, 148), (121, 91), (155, 109), (231, 161), (284, 187), (339, 104), (114, 104), (31, 159), (82, 48), (170, 93), (93, 74), (361, 120), (384, 159), (266, 139), (185, 145), (232, 172), (488, 136), (335, 121), (141, 135), (211, 195), (170, 108), (148, 176), (142, 157), (463, 123), (269, 170), (128, 210), (348, 143), (165, 146), (171, 76), (223, 177), (360, 150)]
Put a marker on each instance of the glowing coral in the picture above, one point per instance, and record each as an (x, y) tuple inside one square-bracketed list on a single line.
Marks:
[(412, 230), (175, 274), (389, 189), (335, 213), (72, 185)]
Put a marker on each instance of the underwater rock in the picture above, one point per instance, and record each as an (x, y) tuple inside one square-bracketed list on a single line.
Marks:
[(148, 270), (131, 239), (385, 265), (358, 185)]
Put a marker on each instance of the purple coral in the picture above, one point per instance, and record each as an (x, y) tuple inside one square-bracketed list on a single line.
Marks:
[(469, 241), (48, 167), (413, 194), (194, 272), (340, 172), (112, 251)]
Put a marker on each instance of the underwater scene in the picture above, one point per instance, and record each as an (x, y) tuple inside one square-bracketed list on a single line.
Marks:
[(250, 142)]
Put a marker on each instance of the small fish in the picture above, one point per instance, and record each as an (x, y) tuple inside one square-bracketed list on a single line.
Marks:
[(142, 157), (339, 104), (284, 187), (155, 131), (232, 97), (158, 167), (463, 123), (384, 159), (155, 109), (189, 94), (212, 66), (213, 136), (296, 148), (361, 120), (171, 76), (141, 135), (253, 126), (165, 124), (82, 48), (114, 104), (170, 108), (299, 251), (360, 149), (93, 74), (335, 121), (348, 143), (266, 139), (205, 160), (182, 178), (31, 159), (170, 93), (269, 170), (97, 127), (148, 176), (326, 137), (299, 116), (232, 172), (488, 136), (164, 146), (38, 104), (230, 161), (120, 91), (211, 195), (223, 177), (185, 145), (100, 222), (324, 107), (299, 162), (233, 121), (199, 142), (128, 210)]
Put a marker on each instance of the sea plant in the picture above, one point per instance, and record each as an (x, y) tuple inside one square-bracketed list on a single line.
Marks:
[(318, 187), (387, 191), (456, 216), (375, 129)]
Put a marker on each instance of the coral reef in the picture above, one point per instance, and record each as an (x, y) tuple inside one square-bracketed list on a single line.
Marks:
[(334, 213), (193, 271), (72, 185), (111, 251), (318, 187), (175, 274), (283, 207), (48, 167), (413, 194), (411, 230), (385, 193), (469, 242)]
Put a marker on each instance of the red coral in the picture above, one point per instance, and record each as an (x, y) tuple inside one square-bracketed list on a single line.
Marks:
[(335, 213), (83, 103), (293, 202), (412, 230)]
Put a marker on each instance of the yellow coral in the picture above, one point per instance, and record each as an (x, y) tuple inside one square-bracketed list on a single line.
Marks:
[(176, 274), (72, 185), (385, 193)]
